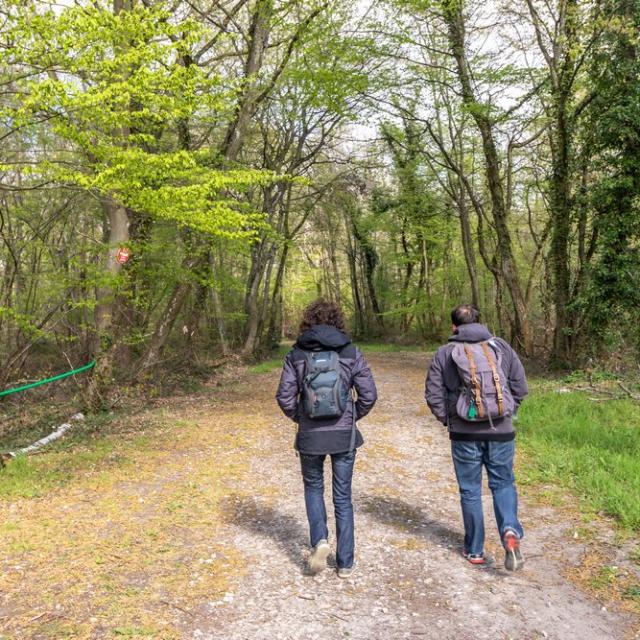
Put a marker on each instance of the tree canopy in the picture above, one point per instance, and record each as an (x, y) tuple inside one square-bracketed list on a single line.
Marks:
[(398, 157)]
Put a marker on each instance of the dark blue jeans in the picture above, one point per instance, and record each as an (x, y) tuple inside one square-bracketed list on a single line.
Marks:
[(497, 457), (313, 477)]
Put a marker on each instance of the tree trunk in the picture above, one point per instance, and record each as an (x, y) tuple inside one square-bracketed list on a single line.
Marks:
[(561, 204), (231, 147), (358, 308), (467, 245), (275, 330), (218, 312), (168, 318), (455, 22), (259, 38), (561, 230), (370, 261), (106, 338), (251, 301)]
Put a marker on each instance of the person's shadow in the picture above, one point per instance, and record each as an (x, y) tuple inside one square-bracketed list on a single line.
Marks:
[(266, 521), (407, 517), (291, 537)]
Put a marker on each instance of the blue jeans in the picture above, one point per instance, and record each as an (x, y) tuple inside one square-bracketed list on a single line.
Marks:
[(468, 460), (313, 477)]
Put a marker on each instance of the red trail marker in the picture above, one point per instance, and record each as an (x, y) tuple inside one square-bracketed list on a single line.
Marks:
[(122, 255)]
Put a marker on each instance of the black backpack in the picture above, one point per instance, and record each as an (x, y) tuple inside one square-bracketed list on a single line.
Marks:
[(324, 393)]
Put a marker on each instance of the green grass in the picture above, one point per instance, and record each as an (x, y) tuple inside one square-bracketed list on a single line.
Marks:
[(272, 363), (384, 347), (134, 632), (33, 476), (591, 448), (266, 366), (632, 592)]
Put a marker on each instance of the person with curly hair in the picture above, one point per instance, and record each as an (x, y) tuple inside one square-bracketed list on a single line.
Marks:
[(320, 375)]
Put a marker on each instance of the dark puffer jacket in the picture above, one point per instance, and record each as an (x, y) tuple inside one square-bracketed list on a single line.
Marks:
[(332, 435), (443, 384)]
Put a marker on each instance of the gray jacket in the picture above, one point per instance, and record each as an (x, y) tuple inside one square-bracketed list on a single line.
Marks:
[(316, 437), (443, 384)]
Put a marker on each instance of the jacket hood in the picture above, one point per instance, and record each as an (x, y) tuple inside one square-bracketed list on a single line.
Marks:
[(473, 332), (322, 336)]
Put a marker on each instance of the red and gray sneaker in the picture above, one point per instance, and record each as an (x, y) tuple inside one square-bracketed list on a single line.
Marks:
[(513, 558), (475, 558)]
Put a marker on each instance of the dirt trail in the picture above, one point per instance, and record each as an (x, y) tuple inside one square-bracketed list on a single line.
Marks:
[(410, 580), (219, 513)]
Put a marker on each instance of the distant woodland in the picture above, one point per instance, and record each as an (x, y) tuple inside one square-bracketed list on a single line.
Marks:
[(247, 156)]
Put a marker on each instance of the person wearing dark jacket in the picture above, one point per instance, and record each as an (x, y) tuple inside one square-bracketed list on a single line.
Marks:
[(489, 443), (323, 329)]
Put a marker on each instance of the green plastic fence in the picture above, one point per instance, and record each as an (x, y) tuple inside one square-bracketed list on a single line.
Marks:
[(24, 387)]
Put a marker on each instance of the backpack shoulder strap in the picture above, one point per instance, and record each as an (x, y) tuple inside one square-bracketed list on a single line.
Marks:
[(496, 376), (501, 349), (475, 383), (310, 368), (330, 360)]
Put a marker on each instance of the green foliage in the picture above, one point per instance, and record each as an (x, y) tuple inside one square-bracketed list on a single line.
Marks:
[(330, 65), (410, 227), (23, 321), (132, 112), (580, 375), (115, 88), (614, 291)]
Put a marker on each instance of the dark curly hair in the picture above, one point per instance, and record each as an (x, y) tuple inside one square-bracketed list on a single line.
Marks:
[(322, 311)]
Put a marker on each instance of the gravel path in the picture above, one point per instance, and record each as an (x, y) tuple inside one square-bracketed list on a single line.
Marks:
[(194, 529), (410, 581)]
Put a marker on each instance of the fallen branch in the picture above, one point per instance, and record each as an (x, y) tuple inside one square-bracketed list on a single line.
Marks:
[(178, 607), (335, 615), (58, 433), (633, 396), (42, 615), (592, 389)]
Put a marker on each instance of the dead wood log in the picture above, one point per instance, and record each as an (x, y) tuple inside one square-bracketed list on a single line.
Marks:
[(43, 442)]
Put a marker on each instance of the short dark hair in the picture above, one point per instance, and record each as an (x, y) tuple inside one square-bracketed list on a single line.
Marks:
[(322, 311), (465, 314)]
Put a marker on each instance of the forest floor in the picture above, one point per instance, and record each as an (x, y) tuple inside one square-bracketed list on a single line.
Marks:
[(190, 524)]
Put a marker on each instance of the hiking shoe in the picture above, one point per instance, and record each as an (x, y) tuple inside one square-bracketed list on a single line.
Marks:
[(475, 558), (513, 558), (346, 572), (318, 557)]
